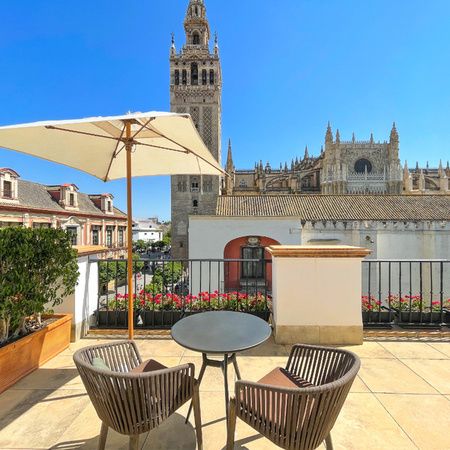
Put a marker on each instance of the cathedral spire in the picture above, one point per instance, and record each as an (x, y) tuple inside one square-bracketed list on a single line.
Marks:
[(394, 134), (329, 134), (338, 137), (306, 153), (230, 165)]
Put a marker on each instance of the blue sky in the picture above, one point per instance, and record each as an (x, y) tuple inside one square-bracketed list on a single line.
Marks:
[(288, 68)]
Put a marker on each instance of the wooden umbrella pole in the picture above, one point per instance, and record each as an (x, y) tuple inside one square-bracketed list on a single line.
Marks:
[(128, 146)]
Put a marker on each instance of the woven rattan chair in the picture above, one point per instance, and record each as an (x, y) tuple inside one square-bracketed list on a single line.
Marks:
[(133, 397), (296, 407)]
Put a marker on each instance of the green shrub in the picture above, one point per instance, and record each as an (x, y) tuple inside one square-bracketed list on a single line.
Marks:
[(38, 269), (165, 276)]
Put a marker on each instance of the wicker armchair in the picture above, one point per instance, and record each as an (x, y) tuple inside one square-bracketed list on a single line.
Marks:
[(133, 397), (296, 407)]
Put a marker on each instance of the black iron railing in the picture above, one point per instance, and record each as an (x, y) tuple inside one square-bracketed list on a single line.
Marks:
[(408, 293), (167, 290)]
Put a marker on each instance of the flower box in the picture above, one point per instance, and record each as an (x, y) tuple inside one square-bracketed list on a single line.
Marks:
[(21, 357), (111, 318), (160, 318), (378, 317), (417, 317)]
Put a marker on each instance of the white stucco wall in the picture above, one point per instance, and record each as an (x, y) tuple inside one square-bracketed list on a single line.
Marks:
[(83, 302), (208, 236)]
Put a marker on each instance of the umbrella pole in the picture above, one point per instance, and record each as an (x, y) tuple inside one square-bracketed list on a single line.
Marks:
[(128, 147)]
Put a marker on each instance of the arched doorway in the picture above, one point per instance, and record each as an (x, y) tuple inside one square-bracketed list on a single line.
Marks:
[(254, 275)]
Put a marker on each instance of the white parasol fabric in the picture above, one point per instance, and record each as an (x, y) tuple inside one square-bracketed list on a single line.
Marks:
[(163, 144), (110, 148)]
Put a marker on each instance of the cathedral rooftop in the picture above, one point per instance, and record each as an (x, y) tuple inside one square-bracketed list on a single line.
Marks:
[(338, 207)]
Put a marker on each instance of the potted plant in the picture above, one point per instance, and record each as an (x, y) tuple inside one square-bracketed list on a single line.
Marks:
[(373, 311), (38, 269), (160, 310), (412, 309)]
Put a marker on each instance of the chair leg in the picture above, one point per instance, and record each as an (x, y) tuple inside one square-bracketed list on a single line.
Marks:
[(231, 424), (134, 442), (329, 442), (103, 436), (197, 416)]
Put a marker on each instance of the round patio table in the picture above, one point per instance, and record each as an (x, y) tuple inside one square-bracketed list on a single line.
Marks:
[(220, 333)]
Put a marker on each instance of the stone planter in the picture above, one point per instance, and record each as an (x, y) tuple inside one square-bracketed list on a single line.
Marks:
[(21, 357)]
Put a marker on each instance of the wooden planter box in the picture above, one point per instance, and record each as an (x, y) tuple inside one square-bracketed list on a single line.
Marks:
[(25, 355)]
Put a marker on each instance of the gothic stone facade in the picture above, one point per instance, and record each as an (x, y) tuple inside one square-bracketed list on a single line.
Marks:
[(343, 167), (195, 88)]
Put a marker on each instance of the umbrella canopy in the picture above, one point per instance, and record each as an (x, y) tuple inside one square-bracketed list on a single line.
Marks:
[(163, 144), (116, 147)]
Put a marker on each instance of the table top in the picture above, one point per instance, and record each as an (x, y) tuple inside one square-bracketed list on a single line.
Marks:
[(221, 332)]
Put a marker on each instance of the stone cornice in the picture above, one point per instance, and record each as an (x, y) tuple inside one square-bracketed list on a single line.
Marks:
[(317, 251)]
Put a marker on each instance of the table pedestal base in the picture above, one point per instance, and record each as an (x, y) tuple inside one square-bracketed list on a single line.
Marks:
[(228, 358)]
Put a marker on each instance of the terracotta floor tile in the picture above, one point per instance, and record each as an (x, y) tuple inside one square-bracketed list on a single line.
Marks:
[(84, 431), (436, 372), (443, 347), (51, 379), (365, 425), (359, 386), (160, 347), (423, 417), (412, 350), (370, 350), (392, 376), (41, 418)]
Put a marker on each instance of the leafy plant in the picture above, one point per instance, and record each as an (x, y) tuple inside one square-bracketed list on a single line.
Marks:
[(38, 269)]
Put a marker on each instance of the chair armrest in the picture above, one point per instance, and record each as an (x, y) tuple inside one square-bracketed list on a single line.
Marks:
[(320, 365)]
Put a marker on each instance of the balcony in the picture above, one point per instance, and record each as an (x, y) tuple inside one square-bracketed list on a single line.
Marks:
[(400, 398), (50, 408)]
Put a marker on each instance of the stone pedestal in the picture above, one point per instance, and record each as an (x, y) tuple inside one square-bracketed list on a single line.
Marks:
[(317, 294)]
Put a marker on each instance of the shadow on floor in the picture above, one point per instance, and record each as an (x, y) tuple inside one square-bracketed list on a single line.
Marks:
[(41, 384), (173, 434)]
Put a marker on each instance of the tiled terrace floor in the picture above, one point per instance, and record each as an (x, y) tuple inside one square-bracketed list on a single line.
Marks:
[(400, 400)]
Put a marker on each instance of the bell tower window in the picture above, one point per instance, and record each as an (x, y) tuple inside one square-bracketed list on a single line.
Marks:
[(184, 76), (196, 38), (211, 77), (177, 77), (204, 77), (194, 74)]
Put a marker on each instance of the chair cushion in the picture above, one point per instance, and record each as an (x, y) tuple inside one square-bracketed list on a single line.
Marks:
[(282, 378), (99, 363), (148, 366)]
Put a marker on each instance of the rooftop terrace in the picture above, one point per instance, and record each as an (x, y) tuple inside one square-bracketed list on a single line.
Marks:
[(400, 400)]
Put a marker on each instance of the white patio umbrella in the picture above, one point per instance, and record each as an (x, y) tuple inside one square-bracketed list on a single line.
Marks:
[(110, 148)]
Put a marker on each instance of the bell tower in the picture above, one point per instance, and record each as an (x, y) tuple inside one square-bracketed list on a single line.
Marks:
[(195, 88)]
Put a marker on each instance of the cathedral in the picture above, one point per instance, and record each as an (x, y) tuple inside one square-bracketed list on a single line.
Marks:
[(341, 167)]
